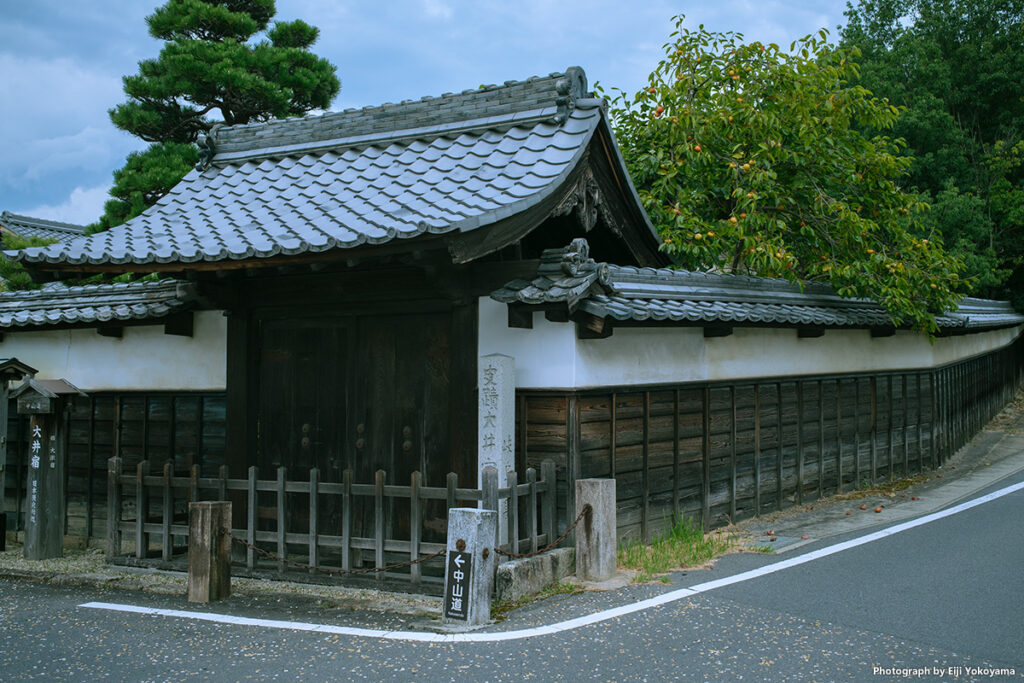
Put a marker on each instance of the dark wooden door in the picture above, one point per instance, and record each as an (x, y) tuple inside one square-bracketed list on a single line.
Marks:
[(364, 393)]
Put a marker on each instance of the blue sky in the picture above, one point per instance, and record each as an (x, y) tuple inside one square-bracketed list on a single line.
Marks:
[(62, 62)]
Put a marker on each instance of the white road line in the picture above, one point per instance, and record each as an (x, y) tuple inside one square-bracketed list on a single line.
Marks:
[(570, 624)]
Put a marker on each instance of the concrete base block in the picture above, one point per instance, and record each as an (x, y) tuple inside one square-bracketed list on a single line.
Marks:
[(519, 578)]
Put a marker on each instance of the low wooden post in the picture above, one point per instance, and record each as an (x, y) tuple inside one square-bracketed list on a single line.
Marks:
[(596, 538), (209, 551)]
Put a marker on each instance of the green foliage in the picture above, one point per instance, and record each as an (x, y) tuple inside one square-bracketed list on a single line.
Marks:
[(12, 276), (750, 159), (955, 66), (146, 177), (212, 69)]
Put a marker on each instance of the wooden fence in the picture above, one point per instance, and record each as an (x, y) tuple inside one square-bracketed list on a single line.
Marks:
[(153, 506), (720, 452)]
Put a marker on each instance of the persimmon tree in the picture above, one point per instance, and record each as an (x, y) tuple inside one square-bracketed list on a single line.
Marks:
[(750, 159)]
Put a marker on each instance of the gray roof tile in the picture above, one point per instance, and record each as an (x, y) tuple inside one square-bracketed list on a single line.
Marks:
[(57, 304), (567, 276), (27, 226), (366, 176)]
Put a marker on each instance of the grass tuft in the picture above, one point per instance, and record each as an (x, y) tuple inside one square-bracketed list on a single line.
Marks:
[(680, 546)]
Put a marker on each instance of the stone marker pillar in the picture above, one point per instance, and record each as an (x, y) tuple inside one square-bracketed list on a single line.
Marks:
[(44, 524), (469, 567), (496, 383), (209, 551), (595, 536)]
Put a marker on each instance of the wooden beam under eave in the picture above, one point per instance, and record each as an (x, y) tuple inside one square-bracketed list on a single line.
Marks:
[(711, 331), (557, 315), (592, 327), (180, 324), (520, 316), (882, 332), (810, 332), (114, 331)]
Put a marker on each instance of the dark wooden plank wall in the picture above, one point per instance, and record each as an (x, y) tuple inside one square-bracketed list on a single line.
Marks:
[(189, 428), (721, 452)]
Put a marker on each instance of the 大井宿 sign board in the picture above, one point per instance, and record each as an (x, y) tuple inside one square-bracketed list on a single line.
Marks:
[(456, 596)]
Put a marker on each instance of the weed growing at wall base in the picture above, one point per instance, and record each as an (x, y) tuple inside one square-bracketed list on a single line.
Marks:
[(682, 545)]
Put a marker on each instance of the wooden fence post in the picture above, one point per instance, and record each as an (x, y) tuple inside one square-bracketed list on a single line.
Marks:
[(141, 510), (282, 522), (531, 508), (414, 526), (378, 526), (513, 511), (250, 518), (314, 519), (113, 507), (209, 551), (548, 474), (489, 479), (166, 542)]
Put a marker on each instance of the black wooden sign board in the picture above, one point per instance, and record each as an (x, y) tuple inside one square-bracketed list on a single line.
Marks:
[(456, 594)]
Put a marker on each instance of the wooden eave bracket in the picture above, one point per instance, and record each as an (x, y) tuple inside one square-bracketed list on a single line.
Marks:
[(877, 332), (520, 316), (180, 324), (114, 331), (557, 315), (590, 326), (810, 332), (711, 331)]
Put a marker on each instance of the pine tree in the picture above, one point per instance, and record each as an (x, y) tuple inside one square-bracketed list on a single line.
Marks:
[(214, 68)]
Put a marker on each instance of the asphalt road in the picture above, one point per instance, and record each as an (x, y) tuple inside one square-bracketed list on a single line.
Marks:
[(946, 594)]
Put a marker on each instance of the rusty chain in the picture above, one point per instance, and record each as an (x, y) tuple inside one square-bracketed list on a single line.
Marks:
[(517, 556), (407, 563)]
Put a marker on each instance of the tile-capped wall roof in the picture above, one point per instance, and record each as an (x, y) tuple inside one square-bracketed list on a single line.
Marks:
[(342, 180), (661, 294), (57, 305), (27, 226)]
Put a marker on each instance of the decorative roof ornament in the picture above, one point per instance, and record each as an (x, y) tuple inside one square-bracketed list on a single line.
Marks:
[(207, 147)]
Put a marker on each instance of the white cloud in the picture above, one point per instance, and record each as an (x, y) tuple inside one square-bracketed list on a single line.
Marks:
[(84, 206), (437, 9)]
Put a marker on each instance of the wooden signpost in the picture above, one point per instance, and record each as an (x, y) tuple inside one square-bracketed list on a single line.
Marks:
[(11, 370), (43, 401)]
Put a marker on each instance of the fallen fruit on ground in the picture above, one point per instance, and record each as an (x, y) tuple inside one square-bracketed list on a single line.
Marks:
[(878, 509)]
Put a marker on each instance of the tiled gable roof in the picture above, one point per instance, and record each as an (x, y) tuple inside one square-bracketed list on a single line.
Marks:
[(360, 177), (567, 277), (27, 226), (58, 305)]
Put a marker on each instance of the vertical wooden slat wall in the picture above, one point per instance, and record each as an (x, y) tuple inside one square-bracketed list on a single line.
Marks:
[(185, 428), (721, 452)]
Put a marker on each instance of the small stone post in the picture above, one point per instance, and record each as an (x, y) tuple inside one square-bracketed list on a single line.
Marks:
[(595, 536), (209, 551), (496, 382), (469, 567)]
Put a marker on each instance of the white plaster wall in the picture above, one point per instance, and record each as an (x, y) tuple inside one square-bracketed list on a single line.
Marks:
[(143, 359), (550, 356)]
